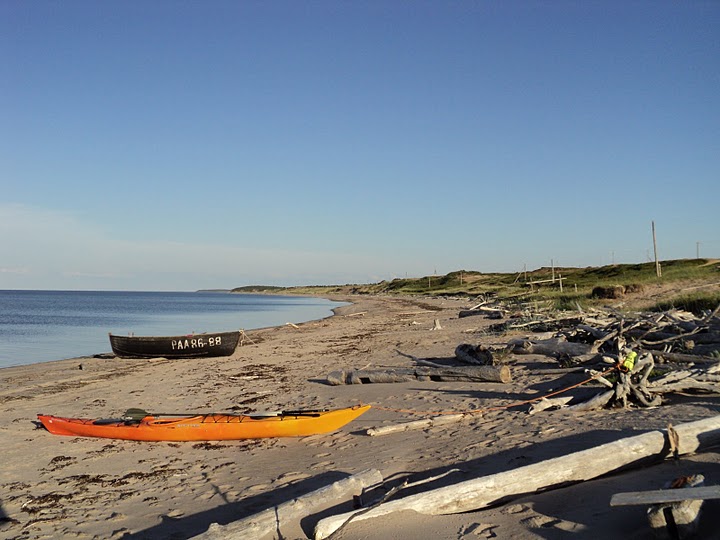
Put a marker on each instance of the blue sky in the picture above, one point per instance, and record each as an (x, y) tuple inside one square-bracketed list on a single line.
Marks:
[(179, 145)]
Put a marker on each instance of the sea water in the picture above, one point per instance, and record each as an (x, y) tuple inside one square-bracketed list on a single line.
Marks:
[(39, 326)]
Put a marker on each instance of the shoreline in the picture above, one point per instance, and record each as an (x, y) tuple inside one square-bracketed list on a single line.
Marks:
[(54, 486), (106, 356), (99, 340)]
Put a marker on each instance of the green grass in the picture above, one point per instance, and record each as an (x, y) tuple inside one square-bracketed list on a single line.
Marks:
[(259, 289), (578, 284), (696, 303)]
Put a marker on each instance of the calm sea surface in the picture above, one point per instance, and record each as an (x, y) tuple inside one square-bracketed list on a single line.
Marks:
[(38, 326)]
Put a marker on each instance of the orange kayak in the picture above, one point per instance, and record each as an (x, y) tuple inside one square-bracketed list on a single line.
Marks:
[(206, 427)]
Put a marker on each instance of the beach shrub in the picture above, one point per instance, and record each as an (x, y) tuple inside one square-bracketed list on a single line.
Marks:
[(697, 303), (608, 292)]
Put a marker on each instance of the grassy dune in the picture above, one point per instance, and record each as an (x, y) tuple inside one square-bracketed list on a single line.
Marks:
[(692, 284)]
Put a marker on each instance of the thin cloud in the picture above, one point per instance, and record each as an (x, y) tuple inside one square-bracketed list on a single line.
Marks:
[(19, 271), (61, 250)]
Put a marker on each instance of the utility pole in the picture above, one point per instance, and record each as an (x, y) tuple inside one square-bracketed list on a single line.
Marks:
[(658, 270)]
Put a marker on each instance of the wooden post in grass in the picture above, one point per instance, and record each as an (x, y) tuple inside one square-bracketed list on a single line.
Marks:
[(658, 270)]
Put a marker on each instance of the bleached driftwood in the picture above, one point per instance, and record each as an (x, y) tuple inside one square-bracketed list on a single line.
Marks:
[(545, 403), (681, 500), (480, 492), (634, 385), (549, 347), (392, 492), (597, 402), (273, 519), (674, 336), (599, 378), (687, 384), (366, 376), (597, 333), (678, 519), (662, 496), (416, 424), (470, 373), (682, 357), (705, 378)]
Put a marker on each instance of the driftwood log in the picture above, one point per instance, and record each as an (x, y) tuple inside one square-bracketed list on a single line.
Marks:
[(489, 313), (663, 496), (678, 334), (474, 354), (417, 424), (682, 357), (668, 338), (499, 374), (552, 403), (704, 379), (678, 519), (597, 402), (277, 517), (549, 347), (674, 512), (576, 467)]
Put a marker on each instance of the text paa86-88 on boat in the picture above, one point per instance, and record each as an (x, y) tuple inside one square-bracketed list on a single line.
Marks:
[(195, 343)]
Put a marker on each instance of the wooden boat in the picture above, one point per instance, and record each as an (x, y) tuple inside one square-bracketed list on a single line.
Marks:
[(189, 346), (206, 427)]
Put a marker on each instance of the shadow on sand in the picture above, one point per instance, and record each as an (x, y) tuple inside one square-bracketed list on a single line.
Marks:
[(192, 525)]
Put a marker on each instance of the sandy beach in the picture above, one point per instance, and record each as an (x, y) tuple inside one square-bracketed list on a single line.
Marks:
[(66, 487)]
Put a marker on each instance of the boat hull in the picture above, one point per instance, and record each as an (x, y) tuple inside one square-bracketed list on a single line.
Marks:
[(211, 427), (189, 346)]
